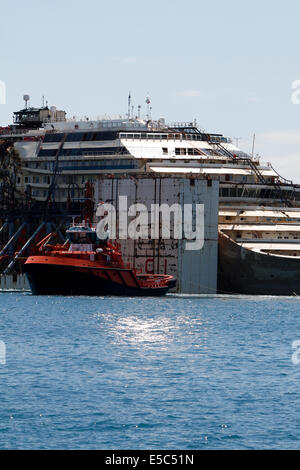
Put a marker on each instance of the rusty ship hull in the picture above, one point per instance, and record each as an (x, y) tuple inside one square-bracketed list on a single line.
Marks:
[(245, 271)]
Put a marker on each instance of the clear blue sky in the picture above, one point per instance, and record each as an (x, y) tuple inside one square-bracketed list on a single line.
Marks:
[(230, 64)]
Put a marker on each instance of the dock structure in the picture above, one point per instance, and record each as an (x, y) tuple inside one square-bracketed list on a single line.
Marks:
[(14, 282)]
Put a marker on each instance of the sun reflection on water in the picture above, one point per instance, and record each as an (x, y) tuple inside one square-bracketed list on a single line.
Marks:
[(158, 330)]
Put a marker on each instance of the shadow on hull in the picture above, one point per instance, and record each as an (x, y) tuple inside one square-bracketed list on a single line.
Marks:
[(244, 271)]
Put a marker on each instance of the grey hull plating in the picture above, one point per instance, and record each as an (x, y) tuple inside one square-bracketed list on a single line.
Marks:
[(245, 271)]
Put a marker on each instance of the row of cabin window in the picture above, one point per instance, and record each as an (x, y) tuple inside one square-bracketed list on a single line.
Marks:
[(86, 165), (61, 179), (79, 152), (268, 219), (36, 179), (247, 192), (279, 236), (58, 193), (97, 164), (112, 135), (184, 151), (144, 135), (81, 136), (190, 151)]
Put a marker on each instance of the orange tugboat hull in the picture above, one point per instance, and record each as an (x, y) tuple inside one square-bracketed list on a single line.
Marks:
[(57, 275)]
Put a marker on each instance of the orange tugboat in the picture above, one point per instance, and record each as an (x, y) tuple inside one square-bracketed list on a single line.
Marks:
[(85, 265)]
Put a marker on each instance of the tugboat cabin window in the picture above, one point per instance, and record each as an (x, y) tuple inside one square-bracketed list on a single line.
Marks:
[(78, 236)]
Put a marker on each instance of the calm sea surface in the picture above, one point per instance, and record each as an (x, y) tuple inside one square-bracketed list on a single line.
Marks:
[(132, 373)]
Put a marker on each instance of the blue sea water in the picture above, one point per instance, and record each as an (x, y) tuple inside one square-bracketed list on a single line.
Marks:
[(131, 373)]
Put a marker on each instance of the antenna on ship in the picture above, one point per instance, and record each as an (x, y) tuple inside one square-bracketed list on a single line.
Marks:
[(129, 104), (139, 111), (253, 145), (148, 108), (26, 98)]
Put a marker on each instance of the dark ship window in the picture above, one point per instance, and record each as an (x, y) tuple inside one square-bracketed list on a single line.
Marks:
[(53, 138), (82, 237), (87, 136), (47, 153)]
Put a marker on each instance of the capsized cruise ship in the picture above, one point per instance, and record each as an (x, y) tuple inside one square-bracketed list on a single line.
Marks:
[(259, 213)]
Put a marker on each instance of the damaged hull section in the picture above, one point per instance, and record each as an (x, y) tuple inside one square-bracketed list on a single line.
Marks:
[(246, 271)]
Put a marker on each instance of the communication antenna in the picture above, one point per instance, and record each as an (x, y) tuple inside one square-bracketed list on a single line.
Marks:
[(148, 108), (26, 98), (139, 111), (43, 101), (129, 104), (253, 145)]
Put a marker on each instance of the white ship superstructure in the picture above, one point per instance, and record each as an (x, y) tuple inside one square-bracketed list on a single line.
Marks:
[(75, 152), (266, 229), (259, 210), (78, 151)]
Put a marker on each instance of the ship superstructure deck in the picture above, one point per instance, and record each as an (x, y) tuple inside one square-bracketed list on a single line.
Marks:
[(259, 209), (79, 151)]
